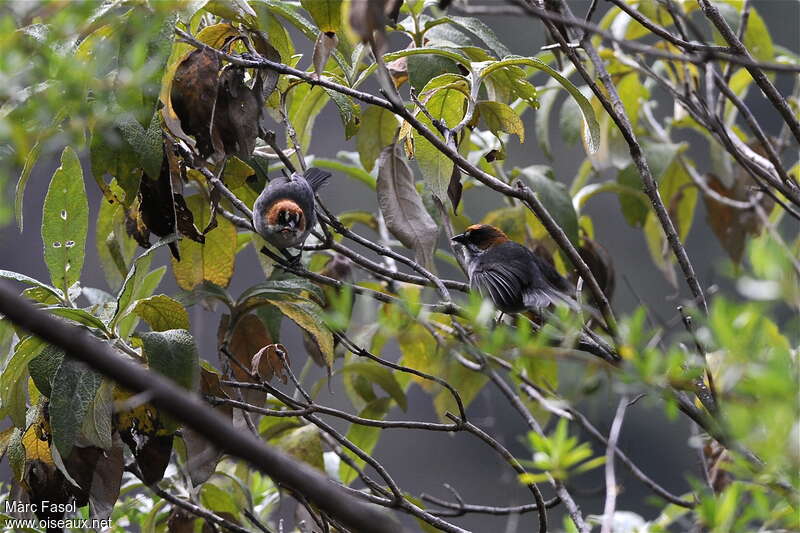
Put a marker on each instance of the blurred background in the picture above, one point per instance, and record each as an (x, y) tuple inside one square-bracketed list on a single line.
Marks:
[(423, 461)]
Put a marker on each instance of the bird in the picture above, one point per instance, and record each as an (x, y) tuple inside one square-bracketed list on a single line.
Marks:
[(517, 280), (285, 211)]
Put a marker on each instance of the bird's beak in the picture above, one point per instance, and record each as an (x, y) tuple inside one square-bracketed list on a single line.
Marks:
[(460, 239)]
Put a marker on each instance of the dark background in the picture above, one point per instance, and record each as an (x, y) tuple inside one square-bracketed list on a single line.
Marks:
[(422, 461)]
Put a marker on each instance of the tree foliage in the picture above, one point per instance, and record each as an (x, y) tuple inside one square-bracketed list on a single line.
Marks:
[(181, 112)]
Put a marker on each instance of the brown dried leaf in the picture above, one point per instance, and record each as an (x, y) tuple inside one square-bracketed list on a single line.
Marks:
[(455, 189), (194, 94), (268, 362), (731, 225), (156, 205), (402, 208), (326, 43), (106, 481), (237, 114)]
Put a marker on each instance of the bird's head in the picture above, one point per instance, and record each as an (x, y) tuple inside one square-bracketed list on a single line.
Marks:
[(481, 237), (287, 215)]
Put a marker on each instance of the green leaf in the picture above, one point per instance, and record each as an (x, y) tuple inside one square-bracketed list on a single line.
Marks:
[(97, 429), (634, 208), (146, 143), (326, 13), (467, 382), (173, 354), (306, 103), (27, 280), (114, 248), (30, 162), (501, 118), (378, 128), (309, 316), (134, 280), (381, 376), (364, 437), (483, 32), (592, 132), (555, 198), (354, 172), (349, 112), (162, 313), (44, 366), (211, 261), (447, 105), (303, 443), (74, 388), (65, 222), (148, 285), (13, 380), (78, 315), (547, 101), (110, 154)]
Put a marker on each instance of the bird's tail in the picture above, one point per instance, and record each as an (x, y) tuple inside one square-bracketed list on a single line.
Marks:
[(316, 177)]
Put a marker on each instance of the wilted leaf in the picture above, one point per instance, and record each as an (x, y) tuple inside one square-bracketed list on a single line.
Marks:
[(500, 117), (211, 261), (267, 362), (74, 388), (731, 225), (162, 313), (194, 95), (65, 222), (366, 16), (326, 43), (455, 189), (157, 205), (22, 181), (106, 482), (237, 113), (249, 335), (402, 208), (365, 437), (201, 455)]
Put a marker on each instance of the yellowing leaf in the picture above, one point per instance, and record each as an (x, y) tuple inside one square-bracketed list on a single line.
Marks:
[(308, 316), (500, 117), (36, 441), (162, 313), (327, 14), (211, 261)]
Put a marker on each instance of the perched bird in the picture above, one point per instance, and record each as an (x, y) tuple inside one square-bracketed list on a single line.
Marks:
[(284, 212), (517, 280)]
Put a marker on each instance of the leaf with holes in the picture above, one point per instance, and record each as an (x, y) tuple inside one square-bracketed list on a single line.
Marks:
[(65, 222)]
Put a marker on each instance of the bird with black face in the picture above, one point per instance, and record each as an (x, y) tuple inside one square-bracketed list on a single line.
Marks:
[(285, 211), (517, 280)]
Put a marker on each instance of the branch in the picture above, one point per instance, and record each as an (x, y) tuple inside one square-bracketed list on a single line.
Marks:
[(712, 13), (521, 193), (195, 414), (611, 481)]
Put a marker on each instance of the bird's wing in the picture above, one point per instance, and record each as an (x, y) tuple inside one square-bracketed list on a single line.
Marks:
[(499, 283), (316, 178)]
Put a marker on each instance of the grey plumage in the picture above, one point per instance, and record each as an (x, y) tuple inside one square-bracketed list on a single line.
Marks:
[(293, 196)]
